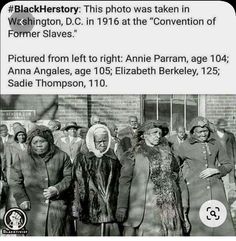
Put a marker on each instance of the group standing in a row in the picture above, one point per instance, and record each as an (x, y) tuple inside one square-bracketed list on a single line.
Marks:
[(138, 181)]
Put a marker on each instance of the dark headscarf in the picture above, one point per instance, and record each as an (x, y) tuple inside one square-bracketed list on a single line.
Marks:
[(43, 132)]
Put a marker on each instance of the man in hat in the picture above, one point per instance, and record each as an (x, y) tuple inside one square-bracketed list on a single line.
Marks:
[(71, 144), (205, 162), (149, 202), (127, 136)]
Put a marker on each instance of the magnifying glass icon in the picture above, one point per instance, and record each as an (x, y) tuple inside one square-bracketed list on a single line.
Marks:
[(213, 213)]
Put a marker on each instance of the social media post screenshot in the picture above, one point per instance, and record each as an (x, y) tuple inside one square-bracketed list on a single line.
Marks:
[(118, 118)]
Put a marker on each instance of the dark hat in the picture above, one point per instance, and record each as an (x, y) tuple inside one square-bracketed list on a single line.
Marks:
[(154, 124), (18, 129), (221, 122), (199, 122), (70, 125), (42, 131)]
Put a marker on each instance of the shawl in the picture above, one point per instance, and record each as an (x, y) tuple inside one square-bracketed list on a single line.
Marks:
[(163, 178)]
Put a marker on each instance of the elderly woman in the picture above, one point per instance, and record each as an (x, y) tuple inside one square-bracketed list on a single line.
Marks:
[(40, 178), (149, 200), (96, 185), (204, 164)]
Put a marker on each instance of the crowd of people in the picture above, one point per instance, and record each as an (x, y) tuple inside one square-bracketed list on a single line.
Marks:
[(101, 181)]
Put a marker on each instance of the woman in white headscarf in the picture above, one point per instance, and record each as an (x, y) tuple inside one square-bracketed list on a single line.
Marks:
[(96, 185)]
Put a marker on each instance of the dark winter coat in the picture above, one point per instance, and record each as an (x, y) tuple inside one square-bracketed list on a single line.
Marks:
[(135, 174), (96, 187), (229, 143), (29, 177), (196, 157)]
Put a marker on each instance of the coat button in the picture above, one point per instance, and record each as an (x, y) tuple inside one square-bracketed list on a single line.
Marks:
[(47, 201), (206, 165), (46, 179), (208, 187), (187, 183)]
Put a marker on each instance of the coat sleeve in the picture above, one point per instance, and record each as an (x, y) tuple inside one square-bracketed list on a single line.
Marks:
[(17, 182), (225, 165), (125, 179), (232, 176), (183, 190), (79, 185), (65, 183)]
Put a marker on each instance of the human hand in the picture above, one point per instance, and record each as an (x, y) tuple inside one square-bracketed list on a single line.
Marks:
[(15, 220), (121, 214), (50, 192), (75, 213), (25, 206), (208, 173)]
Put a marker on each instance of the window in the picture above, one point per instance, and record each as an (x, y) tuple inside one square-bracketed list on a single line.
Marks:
[(173, 109)]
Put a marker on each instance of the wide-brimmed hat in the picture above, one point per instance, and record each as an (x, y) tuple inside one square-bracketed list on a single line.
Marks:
[(69, 125), (147, 125), (199, 122)]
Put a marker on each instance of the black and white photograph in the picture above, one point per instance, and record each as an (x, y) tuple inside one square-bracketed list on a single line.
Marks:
[(118, 165)]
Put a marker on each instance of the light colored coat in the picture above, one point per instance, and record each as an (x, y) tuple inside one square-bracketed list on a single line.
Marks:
[(71, 148)]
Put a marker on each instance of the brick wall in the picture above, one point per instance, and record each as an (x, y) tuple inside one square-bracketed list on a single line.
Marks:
[(222, 106), (79, 108), (116, 108), (111, 108), (73, 108), (44, 105)]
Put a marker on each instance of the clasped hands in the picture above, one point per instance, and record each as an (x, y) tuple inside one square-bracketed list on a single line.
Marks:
[(47, 193)]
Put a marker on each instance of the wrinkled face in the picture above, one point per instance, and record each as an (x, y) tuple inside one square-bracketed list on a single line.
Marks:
[(181, 132), (133, 121), (152, 136), (201, 133), (3, 131), (39, 145), (101, 141), (21, 137), (72, 132)]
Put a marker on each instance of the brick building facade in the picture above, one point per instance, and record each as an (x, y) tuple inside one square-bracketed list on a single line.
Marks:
[(116, 108)]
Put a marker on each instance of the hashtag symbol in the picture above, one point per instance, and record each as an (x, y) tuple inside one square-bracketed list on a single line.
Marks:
[(10, 9)]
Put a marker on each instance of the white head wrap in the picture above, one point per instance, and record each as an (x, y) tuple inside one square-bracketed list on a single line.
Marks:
[(94, 130)]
